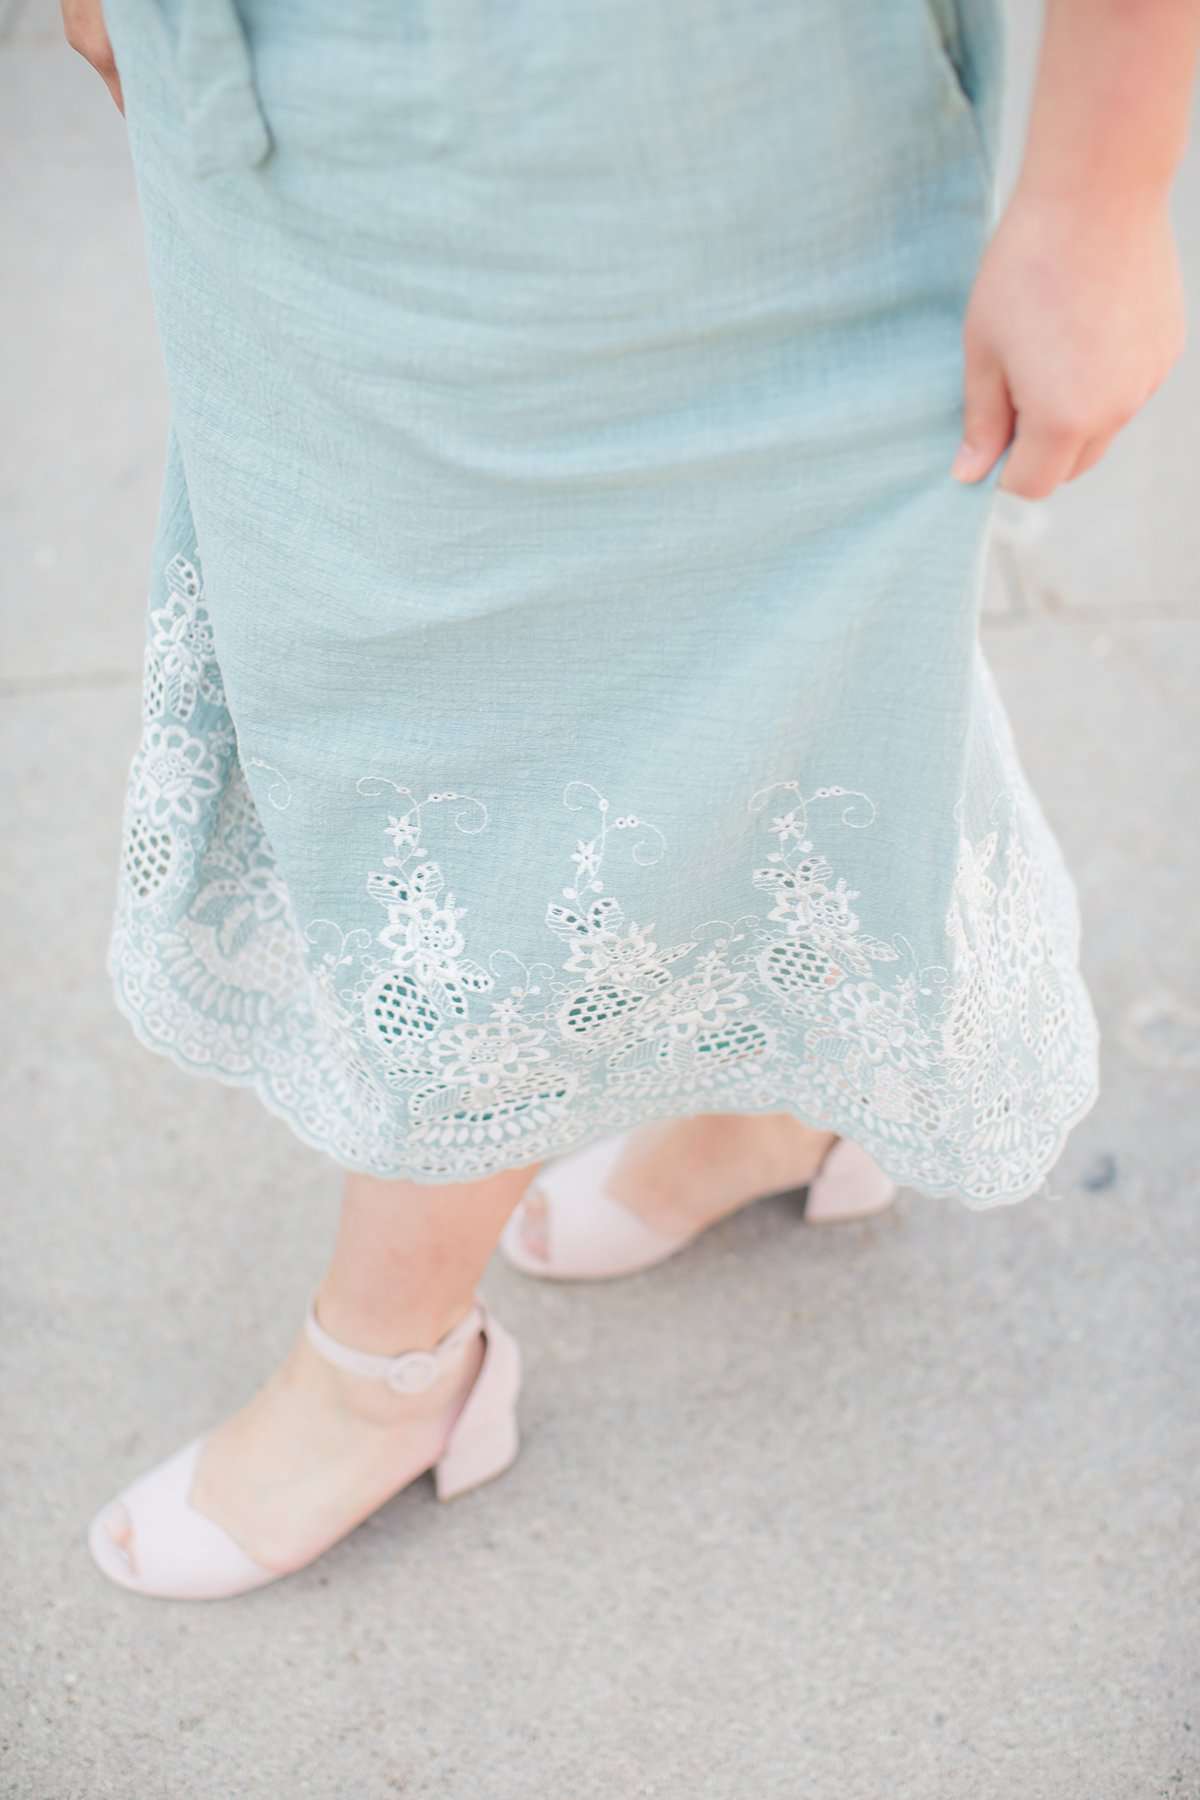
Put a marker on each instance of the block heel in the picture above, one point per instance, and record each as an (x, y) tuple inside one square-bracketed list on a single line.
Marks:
[(485, 1438)]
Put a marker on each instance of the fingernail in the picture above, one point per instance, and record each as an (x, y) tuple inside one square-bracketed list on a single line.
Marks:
[(967, 461)]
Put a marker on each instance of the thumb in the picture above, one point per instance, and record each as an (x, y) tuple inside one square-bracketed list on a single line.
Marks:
[(988, 414)]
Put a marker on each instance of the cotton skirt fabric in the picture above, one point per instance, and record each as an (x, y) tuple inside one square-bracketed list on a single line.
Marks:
[(563, 698)]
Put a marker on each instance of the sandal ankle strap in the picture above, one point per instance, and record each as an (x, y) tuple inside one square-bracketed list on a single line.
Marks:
[(409, 1373)]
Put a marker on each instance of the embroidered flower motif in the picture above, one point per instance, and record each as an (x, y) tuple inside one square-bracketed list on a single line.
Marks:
[(174, 775), (811, 901), (881, 1023), (486, 1054), (181, 644), (603, 946)]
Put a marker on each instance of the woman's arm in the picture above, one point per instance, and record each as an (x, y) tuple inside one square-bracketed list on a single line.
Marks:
[(1077, 311), (83, 23), (1112, 98)]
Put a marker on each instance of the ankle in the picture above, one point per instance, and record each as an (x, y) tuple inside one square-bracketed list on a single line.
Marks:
[(779, 1149), (793, 1150), (371, 1400), (385, 1330)]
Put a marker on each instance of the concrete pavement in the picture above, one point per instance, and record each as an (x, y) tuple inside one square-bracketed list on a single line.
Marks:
[(906, 1509)]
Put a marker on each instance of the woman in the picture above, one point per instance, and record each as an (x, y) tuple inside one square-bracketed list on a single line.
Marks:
[(566, 742)]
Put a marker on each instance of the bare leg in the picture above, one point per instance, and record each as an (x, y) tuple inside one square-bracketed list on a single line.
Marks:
[(683, 1175), (408, 1259), (316, 1450)]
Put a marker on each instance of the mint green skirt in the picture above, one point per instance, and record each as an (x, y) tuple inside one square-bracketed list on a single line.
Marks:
[(563, 698)]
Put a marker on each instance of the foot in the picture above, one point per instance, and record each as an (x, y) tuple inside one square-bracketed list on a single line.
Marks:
[(681, 1176), (313, 1454)]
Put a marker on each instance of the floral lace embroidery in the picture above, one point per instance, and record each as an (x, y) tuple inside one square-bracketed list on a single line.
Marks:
[(388, 1043)]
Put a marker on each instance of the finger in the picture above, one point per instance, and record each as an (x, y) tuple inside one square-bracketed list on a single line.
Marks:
[(988, 414), (1093, 449), (1041, 458)]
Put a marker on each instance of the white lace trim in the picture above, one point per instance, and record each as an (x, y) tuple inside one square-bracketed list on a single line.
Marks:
[(386, 1042)]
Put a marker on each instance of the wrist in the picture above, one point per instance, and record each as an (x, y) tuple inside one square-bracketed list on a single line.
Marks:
[(1078, 194)]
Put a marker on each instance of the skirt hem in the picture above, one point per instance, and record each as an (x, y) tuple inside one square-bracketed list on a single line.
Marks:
[(891, 1158)]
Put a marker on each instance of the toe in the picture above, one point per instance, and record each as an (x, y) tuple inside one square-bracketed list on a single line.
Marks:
[(112, 1541), (118, 1525), (535, 1225)]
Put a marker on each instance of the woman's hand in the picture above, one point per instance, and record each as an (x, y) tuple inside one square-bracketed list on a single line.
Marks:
[(83, 22), (1077, 312), (1074, 319)]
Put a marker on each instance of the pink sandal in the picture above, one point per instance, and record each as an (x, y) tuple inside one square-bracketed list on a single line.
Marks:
[(592, 1237), (183, 1555)]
